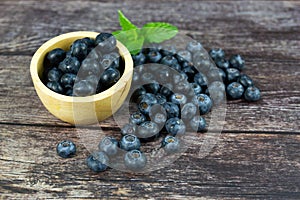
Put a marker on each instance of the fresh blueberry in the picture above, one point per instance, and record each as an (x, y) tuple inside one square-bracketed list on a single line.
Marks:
[(109, 77), (179, 77), (233, 74), (89, 66), (175, 126), (198, 123), (170, 144), (83, 88), (98, 161), (166, 90), (204, 102), (168, 50), (109, 60), (106, 41), (130, 142), (176, 66), (89, 42), (55, 86), (217, 54), (179, 99), (67, 80), (168, 60), (245, 80), (147, 130), (252, 93), (54, 74), (153, 57), (69, 92), (128, 129), (188, 111), (161, 99), (79, 49), (135, 160), (137, 93), (194, 46), (223, 64), (237, 62), (190, 71), (200, 79), (66, 149), (153, 87), (137, 118), (109, 145), (56, 56), (235, 90), (139, 59), (182, 87), (196, 88), (172, 109), (69, 65), (147, 101), (158, 114), (184, 56)]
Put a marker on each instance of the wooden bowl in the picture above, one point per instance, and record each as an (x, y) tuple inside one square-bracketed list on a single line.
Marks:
[(80, 110)]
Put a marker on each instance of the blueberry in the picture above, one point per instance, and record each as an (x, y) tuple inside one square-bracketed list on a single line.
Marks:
[(178, 98), (93, 80), (137, 93), (223, 64), (166, 90), (175, 126), (236, 61), (172, 109), (176, 66), (216, 90), (89, 42), (98, 161), (67, 80), (194, 46), (168, 50), (79, 49), (235, 90), (69, 65), (197, 123), (170, 144), (158, 114), (217, 54), (196, 88), (204, 102), (161, 99), (135, 160), (252, 93), (137, 118), (147, 130), (89, 66), (179, 77), (109, 60), (153, 57), (184, 56), (109, 145), (168, 60), (56, 56), (109, 77), (190, 71), (66, 149), (232, 74), (83, 88), (69, 92), (245, 80), (147, 97), (222, 74), (54, 74), (152, 87), (128, 129), (146, 103), (200, 79), (55, 86), (106, 41), (139, 59), (188, 111), (130, 142), (116, 58)]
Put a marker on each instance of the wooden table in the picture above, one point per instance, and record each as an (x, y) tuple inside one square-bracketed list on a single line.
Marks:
[(258, 155)]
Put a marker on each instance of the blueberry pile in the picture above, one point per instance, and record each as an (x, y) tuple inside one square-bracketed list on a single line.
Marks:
[(89, 67)]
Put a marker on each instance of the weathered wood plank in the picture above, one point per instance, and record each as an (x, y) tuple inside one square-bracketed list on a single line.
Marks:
[(278, 110), (240, 166), (258, 29)]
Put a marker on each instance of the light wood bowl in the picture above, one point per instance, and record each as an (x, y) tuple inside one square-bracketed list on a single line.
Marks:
[(80, 110)]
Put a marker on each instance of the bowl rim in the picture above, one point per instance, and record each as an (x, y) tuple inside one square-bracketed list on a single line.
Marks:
[(121, 83)]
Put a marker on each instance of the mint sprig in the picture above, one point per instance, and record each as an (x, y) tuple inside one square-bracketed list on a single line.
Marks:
[(134, 38)]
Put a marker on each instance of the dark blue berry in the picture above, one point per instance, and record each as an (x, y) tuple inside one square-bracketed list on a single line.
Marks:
[(137, 118), (147, 101), (252, 93), (196, 88), (79, 49), (168, 50), (89, 42), (139, 59), (161, 99), (190, 71), (204, 102), (128, 129), (147, 130), (233, 74), (98, 161), (184, 56), (198, 123), (158, 114), (194, 46), (130, 142), (109, 145), (153, 87), (109, 60), (135, 160), (200, 79), (56, 56), (175, 126), (235, 90), (188, 111), (168, 60), (166, 90), (217, 54), (223, 64), (178, 98), (66, 149), (83, 88), (106, 41), (69, 92), (67, 80), (89, 66), (55, 86), (153, 57), (54, 74), (109, 77), (245, 80), (69, 65), (237, 62), (172, 109), (170, 144), (137, 93), (176, 66)]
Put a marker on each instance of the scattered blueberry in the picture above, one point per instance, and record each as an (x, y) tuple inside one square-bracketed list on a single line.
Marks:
[(175, 126), (130, 142), (197, 123), (237, 62), (135, 160), (170, 144), (66, 149), (109, 145), (235, 90), (98, 161), (252, 93)]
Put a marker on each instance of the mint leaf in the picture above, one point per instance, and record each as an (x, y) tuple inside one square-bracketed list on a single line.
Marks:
[(131, 39), (125, 23), (157, 32)]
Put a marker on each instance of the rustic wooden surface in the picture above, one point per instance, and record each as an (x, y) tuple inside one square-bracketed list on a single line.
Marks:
[(258, 154)]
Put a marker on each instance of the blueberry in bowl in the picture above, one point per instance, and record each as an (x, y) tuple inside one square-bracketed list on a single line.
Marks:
[(74, 79)]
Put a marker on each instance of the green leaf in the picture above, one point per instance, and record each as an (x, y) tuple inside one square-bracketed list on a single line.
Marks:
[(125, 23), (131, 39), (157, 32)]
